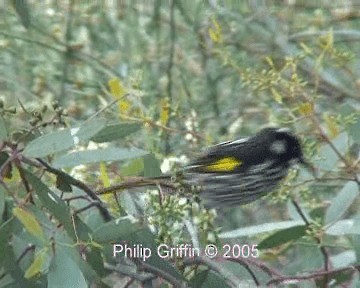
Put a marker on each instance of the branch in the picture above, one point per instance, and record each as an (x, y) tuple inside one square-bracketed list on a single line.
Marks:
[(136, 182), (315, 275), (229, 277), (129, 271), (72, 181), (318, 241), (162, 274)]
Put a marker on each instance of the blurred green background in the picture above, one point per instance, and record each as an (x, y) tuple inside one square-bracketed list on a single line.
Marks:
[(170, 78)]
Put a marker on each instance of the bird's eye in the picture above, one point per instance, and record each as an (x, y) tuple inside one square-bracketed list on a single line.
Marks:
[(278, 147)]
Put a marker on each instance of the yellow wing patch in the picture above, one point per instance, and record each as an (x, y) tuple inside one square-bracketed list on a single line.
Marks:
[(227, 164)]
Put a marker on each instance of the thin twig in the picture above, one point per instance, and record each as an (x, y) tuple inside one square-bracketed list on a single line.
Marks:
[(162, 274), (72, 181), (135, 183), (315, 275), (318, 240), (262, 266), (30, 247), (92, 204), (104, 108), (166, 128), (231, 279), (129, 271), (333, 147)]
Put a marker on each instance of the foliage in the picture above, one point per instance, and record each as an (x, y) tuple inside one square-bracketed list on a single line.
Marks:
[(97, 97)]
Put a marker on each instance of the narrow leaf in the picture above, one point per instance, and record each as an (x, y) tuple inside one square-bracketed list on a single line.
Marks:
[(64, 272), (165, 111), (30, 222), (22, 10), (49, 144), (116, 230), (133, 167), (354, 130), (37, 265), (344, 227), (98, 155), (331, 124), (328, 157), (115, 131), (104, 176), (151, 166), (258, 229), (6, 230), (277, 96), (3, 130), (90, 129), (52, 202), (2, 200), (62, 140), (341, 202), (282, 237)]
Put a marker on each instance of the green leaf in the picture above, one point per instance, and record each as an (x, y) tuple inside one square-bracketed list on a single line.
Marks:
[(49, 144), (37, 266), (52, 202), (116, 230), (2, 202), (62, 183), (328, 157), (294, 213), (133, 167), (62, 140), (258, 229), (22, 10), (354, 130), (30, 222), (344, 227), (13, 268), (90, 128), (343, 259), (282, 237), (207, 279), (341, 202), (6, 171), (355, 241), (151, 166), (115, 131), (64, 272), (5, 233), (97, 155), (146, 239), (3, 130), (132, 203)]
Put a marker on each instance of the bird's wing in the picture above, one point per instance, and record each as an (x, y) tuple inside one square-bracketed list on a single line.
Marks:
[(224, 157)]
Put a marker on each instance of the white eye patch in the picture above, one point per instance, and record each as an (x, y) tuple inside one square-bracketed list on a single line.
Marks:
[(278, 147)]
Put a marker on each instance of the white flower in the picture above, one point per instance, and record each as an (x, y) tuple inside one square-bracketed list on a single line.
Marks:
[(168, 163)]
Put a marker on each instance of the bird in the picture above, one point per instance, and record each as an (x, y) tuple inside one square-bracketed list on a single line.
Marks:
[(238, 172), (234, 173)]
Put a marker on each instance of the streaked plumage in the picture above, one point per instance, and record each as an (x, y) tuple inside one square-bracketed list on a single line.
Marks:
[(241, 171)]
